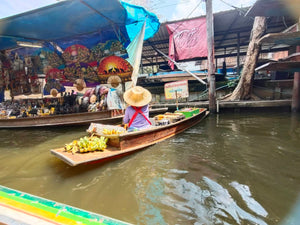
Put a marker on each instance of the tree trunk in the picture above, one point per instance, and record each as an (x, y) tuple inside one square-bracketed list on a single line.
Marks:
[(243, 90)]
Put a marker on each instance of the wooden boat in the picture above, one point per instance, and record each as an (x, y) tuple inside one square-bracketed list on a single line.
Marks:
[(68, 119), (130, 142)]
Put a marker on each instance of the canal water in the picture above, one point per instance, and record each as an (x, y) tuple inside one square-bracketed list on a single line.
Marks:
[(229, 169)]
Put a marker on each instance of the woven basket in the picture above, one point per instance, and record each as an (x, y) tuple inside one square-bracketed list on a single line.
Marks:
[(97, 128)]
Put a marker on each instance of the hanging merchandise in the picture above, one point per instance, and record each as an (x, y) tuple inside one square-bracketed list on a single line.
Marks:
[(2, 82), (114, 65), (19, 83), (6, 77), (77, 53), (7, 95), (18, 63), (52, 58), (79, 84), (56, 74), (53, 92), (81, 70), (1, 94), (110, 47), (43, 59), (35, 85), (53, 84)]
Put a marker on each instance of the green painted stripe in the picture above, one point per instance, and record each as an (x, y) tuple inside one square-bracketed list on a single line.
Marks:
[(61, 212), (65, 211)]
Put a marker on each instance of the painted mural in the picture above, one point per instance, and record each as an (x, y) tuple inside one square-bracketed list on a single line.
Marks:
[(19, 69)]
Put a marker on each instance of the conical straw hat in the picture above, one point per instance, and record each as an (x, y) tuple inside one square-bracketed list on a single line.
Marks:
[(53, 92), (114, 81), (137, 96)]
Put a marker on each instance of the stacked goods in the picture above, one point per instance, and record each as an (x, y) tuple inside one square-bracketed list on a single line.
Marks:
[(106, 131), (174, 117), (159, 117), (87, 144), (188, 112), (167, 118), (109, 131)]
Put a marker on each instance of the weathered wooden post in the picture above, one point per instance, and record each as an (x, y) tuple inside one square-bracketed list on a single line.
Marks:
[(210, 57), (295, 107), (238, 55)]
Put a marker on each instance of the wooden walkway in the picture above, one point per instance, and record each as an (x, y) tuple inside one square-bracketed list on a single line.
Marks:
[(233, 105)]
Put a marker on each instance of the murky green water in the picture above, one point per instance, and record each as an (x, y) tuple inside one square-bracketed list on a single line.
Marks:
[(229, 169)]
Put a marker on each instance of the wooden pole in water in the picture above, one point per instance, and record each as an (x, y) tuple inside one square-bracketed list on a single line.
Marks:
[(176, 100), (238, 55), (210, 57), (295, 98)]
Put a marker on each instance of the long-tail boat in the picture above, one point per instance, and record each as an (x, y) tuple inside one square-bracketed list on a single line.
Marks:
[(68, 119), (129, 142)]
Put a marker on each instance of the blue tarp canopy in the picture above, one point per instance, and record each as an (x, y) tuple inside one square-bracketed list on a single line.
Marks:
[(77, 22)]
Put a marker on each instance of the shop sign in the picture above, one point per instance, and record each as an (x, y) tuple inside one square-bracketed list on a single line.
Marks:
[(175, 90)]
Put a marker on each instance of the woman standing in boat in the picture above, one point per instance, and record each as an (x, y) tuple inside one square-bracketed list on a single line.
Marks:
[(137, 113), (114, 96)]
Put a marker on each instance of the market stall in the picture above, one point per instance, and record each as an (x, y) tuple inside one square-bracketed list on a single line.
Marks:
[(50, 49)]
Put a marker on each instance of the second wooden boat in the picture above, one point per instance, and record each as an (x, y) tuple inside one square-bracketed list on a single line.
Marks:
[(68, 119), (130, 142)]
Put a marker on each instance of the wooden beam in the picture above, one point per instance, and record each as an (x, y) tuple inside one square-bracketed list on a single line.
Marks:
[(295, 106), (210, 57), (282, 38), (238, 55)]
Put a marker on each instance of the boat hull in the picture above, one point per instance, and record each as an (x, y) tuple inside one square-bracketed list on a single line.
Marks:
[(68, 119), (130, 142), (18, 207)]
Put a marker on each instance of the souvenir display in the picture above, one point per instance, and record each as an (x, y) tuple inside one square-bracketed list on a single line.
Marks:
[(2, 82), (110, 47), (19, 83), (18, 63), (35, 85), (77, 53), (80, 70), (53, 84), (114, 65), (19, 69), (56, 74)]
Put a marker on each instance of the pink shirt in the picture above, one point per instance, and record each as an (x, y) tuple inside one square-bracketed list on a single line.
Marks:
[(139, 121)]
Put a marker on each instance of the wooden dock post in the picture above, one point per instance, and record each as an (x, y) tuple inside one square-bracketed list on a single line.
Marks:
[(295, 106), (210, 57)]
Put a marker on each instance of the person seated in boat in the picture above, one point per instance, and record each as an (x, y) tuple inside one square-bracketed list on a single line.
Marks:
[(137, 113)]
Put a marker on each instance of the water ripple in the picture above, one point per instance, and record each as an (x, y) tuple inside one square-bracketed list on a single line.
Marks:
[(252, 204), (210, 204)]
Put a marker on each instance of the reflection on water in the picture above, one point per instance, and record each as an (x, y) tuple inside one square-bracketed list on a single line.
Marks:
[(229, 169)]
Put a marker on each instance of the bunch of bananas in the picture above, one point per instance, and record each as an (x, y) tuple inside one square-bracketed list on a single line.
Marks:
[(87, 144), (112, 131)]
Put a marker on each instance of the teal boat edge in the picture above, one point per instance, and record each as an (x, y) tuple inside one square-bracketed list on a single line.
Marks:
[(43, 203)]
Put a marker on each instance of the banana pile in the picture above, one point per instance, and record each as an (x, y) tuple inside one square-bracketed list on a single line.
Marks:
[(87, 144), (111, 131)]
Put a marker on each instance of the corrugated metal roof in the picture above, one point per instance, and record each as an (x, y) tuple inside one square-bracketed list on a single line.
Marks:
[(228, 26)]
